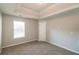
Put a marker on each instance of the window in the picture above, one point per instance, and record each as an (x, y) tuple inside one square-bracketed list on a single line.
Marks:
[(19, 29)]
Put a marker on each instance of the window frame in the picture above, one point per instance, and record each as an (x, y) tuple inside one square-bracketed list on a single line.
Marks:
[(17, 37)]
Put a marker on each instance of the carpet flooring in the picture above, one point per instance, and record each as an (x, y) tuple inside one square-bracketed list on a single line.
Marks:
[(36, 48)]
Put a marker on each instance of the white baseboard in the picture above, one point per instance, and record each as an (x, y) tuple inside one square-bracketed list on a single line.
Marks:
[(18, 43), (64, 47)]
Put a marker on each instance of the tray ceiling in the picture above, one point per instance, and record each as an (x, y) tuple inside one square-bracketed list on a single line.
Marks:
[(35, 10), (36, 6)]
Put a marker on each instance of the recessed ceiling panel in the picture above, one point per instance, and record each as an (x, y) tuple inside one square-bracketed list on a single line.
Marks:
[(36, 6)]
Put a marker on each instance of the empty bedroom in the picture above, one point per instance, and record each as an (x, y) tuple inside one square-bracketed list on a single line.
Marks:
[(39, 28)]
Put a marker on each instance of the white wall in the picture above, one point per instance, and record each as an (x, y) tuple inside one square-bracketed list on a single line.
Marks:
[(31, 30), (63, 30), (42, 30), (0, 31)]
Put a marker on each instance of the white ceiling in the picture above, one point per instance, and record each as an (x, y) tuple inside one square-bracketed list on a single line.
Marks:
[(34, 10), (38, 7), (24, 9)]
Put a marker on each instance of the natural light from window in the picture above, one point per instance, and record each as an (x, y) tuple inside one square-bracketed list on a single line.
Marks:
[(19, 29)]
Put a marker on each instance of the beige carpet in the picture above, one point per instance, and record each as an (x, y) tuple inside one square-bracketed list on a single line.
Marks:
[(36, 48)]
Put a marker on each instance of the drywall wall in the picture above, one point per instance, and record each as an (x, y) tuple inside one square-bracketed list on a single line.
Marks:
[(42, 30), (0, 32), (31, 30), (63, 30)]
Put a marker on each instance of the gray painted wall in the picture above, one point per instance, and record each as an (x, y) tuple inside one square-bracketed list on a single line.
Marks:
[(31, 30), (63, 30)]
